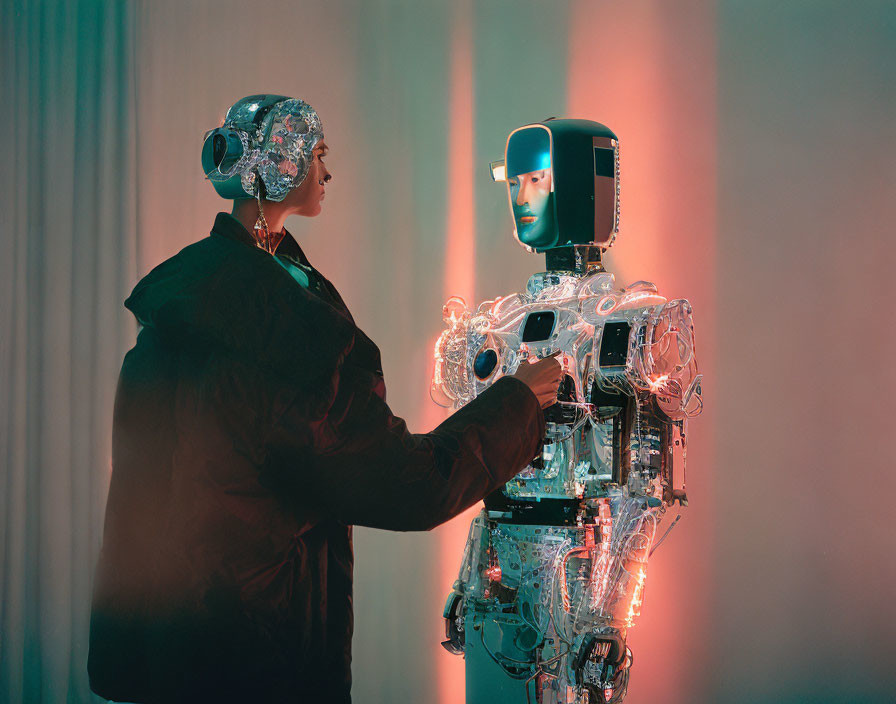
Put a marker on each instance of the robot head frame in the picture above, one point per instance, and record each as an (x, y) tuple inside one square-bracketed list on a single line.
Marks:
[(562, 183)]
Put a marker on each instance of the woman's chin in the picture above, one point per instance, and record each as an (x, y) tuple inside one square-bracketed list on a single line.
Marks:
[(311, 211)]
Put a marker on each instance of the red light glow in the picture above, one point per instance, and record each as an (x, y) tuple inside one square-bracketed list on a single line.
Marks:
[(458, 278), (634, 608), (494, 573), (647, 69)]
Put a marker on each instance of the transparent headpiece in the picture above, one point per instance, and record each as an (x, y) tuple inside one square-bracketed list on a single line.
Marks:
[(271, 136)]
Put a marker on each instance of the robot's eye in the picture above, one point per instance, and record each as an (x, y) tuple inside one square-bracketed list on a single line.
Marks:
[(535, 179), (513, 181)]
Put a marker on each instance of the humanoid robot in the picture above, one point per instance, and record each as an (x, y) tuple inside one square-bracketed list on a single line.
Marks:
[(554, 568)]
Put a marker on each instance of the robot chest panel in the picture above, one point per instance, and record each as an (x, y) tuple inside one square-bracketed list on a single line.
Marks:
[(522, 335)]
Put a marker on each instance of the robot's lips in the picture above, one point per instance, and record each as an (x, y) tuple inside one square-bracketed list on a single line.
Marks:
[(528, 219)]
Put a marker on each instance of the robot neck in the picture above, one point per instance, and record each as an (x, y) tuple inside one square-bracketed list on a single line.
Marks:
[(578, 259)]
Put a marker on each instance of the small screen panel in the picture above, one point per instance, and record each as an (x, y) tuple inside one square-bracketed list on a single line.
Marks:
[(604, 162), (614, 344), (538, 326), (605, 210)]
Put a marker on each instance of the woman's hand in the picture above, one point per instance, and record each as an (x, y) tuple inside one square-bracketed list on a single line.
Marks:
[(543, 377)]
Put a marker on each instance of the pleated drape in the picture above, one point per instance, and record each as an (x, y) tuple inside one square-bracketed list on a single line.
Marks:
[(66, 261)]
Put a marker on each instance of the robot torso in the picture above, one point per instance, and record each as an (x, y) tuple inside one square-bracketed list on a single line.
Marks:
[(554, 568)]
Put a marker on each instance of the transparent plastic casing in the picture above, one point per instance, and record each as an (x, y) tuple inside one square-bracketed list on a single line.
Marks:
[(550, 599)]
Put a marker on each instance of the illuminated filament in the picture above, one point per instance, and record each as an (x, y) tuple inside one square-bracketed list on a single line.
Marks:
[(658, 384), (564, 588), (600, 565), (494, 573), (634, 608), (634, 296)]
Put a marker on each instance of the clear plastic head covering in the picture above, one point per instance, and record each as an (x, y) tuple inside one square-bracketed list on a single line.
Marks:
[(271, 136)]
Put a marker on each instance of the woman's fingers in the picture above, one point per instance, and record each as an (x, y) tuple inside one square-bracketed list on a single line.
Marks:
[(543, 377)]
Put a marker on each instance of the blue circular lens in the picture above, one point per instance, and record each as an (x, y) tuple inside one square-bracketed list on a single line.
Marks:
[(485, 363)]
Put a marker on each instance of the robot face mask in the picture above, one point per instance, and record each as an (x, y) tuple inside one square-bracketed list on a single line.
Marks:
[(266, 136), (530, 184), (563, 183)]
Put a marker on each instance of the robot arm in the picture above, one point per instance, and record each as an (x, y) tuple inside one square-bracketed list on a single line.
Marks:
[(665, 364), (663, 374), (451, 379)]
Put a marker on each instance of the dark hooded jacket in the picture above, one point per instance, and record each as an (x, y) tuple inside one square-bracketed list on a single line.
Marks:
[(250, 433)]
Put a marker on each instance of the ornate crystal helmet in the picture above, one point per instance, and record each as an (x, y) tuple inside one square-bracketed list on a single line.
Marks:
[(266, 136)]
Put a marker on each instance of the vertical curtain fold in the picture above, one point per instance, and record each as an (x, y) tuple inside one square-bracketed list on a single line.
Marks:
[(68, 236)]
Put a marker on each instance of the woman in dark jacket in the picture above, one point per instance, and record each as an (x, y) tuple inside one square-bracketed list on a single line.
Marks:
[(250, 433)]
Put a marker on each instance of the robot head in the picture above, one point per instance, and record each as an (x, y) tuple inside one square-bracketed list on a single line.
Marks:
[(270, 137), (563, 183)]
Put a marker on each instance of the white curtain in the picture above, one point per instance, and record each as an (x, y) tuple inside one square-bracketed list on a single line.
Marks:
[(68, 258)]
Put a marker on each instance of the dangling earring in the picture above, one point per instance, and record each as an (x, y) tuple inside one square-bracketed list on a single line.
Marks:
[(262, 233)]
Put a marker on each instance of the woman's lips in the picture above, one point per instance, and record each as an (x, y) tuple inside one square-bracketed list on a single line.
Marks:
[(528, 219)]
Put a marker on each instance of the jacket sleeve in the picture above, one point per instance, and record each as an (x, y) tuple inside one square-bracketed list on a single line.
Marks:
[(362, 466)]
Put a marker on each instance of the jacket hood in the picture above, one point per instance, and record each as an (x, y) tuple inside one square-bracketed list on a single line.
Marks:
[(223, 293)]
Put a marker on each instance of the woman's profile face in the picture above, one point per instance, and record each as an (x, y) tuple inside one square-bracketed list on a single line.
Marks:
[(306, 198)]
